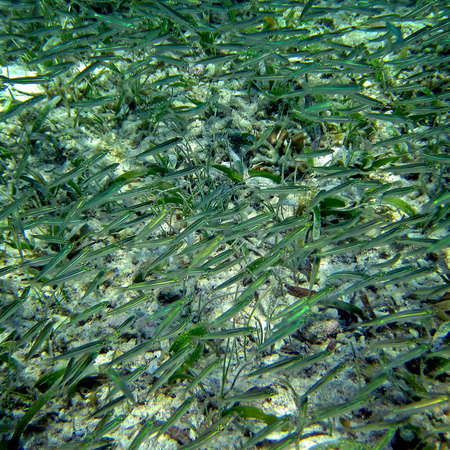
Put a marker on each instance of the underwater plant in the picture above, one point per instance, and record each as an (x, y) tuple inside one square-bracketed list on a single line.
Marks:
[(224, 224)]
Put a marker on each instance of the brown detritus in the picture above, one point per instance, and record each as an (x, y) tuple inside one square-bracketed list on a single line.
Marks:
[(299, 292), (331, 345), (176, 433), (298, 142), (278, 137), (345, 422), (179, 435), (368, 307)]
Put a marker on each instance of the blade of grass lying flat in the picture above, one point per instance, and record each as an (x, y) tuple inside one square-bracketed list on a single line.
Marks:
[(58, 258), (174, 360), (100, 174), (32, 411), (251, 394), (147, 429), (13, 206), (154, 284), (333, 411), (15, 109), (412, 408), (99, 101), (121, 384), (32, 332), (85, 72), (172, 368), (266, 431), (290, 324), (282, 332), (294, 362), (82, 349), (159, 148), (407, 356), (131, 304), (330, 374), (172, 249), (76, 370), (215, 429), (132, 353), (442, 243), (244, 299), (202, 374), (174, 15), (175, 416), (108, 406), (9, 310), (403, 316), (169, 318), (302, 305), (98, 279), (102, 428), (226, 334), (88, 312), (200, 258), (78, 170), (156, 222), (306, 8), (233, 174), (41, 338)]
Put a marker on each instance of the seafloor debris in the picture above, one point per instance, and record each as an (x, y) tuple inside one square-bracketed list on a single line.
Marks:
[(224, 224)]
